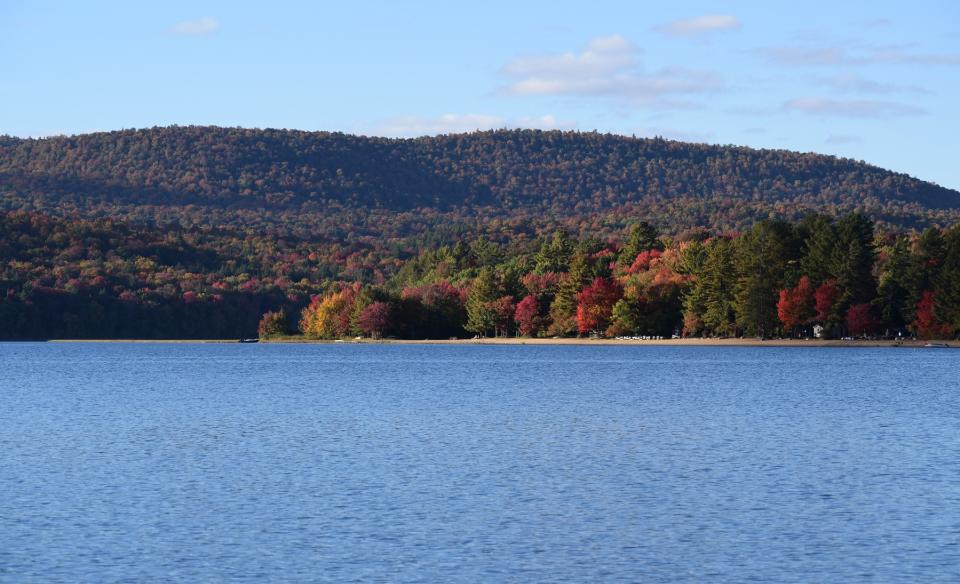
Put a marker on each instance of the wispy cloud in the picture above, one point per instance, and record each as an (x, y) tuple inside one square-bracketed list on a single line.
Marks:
[(843, 139), (699, 25), (851, 83), (607, 67), (873, 23), (781, 55), (200, 27), (853, 54), (409, 126), (852, 108), (905, 57)]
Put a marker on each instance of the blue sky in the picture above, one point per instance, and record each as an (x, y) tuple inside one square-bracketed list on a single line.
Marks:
[(875, 81)]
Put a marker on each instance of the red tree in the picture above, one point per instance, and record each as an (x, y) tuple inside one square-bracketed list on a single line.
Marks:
[(503, 310), (595, 304), (826, 298), (537, 284), (527, 316), (643, 261), (860, 320), (926, 324), (795, 307), (436, 294), (374, 319)]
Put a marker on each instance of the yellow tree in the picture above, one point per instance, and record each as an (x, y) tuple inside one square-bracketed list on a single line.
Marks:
[(328, 317)]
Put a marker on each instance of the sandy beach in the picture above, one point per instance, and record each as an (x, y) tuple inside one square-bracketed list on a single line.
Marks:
[(688, 342), (735, 342)]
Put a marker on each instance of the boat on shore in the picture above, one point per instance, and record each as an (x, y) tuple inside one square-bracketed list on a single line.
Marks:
[(936, 346), (249, 340)]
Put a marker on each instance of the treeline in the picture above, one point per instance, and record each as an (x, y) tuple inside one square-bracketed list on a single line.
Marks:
[(108, 279), (820, 276), (104, 279)]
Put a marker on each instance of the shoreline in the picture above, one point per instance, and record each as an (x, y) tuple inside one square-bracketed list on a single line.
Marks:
[(691, 342)]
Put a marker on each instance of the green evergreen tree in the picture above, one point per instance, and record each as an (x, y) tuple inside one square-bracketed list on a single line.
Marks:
[(762, 255), (819, 239), (948, 281), (853, 259), (554, 255), (626, 316), (481, 317), (930, 249), (563, 309), (897, 292), (461, 255), (717, 282), (485, 252), (643, 237), (692, 258)]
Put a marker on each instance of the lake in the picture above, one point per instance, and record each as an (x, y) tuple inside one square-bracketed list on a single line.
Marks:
[(391, 463)]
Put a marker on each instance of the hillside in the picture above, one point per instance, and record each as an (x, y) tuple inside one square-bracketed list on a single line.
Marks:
[(198, 232), (212, 175)]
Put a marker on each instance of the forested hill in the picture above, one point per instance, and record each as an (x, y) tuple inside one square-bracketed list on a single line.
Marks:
[(205, 232), (553, 172)]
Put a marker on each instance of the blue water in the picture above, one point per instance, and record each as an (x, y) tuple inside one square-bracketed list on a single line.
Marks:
[(347, 463)]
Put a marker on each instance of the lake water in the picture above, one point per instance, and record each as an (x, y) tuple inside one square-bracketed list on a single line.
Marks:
[(360, 463)]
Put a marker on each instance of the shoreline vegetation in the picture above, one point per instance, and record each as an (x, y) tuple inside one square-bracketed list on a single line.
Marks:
[(506, 341), (821, 277), (226, 233)]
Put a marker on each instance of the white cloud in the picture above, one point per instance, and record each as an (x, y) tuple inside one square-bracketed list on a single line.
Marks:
[(409, 126), (200, 27), (851, 109), (547, 122), (699, 25), (607, 67), (602, 55)]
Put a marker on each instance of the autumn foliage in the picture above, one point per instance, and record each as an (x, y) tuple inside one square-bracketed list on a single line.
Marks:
[(527, 316), (374, 319), (860, 320), (328, 317), (825, 299), (926, 324), (795, 307), (105, 279), (595, 305)]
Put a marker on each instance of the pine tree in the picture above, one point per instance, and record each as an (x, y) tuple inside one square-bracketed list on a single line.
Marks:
[(930, 249), (643, 237), (897, 293), (481, 316), (563, 310), (819, 239), (853, 258), (948, 282), (554, 255), (718, 283), (762, 255)]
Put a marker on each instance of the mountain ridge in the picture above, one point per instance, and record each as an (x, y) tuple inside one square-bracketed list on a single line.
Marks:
[(507, 169)]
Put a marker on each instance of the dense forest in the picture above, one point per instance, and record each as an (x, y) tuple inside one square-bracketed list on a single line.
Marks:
[(312, 184), (106, 279), (199, 232)]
